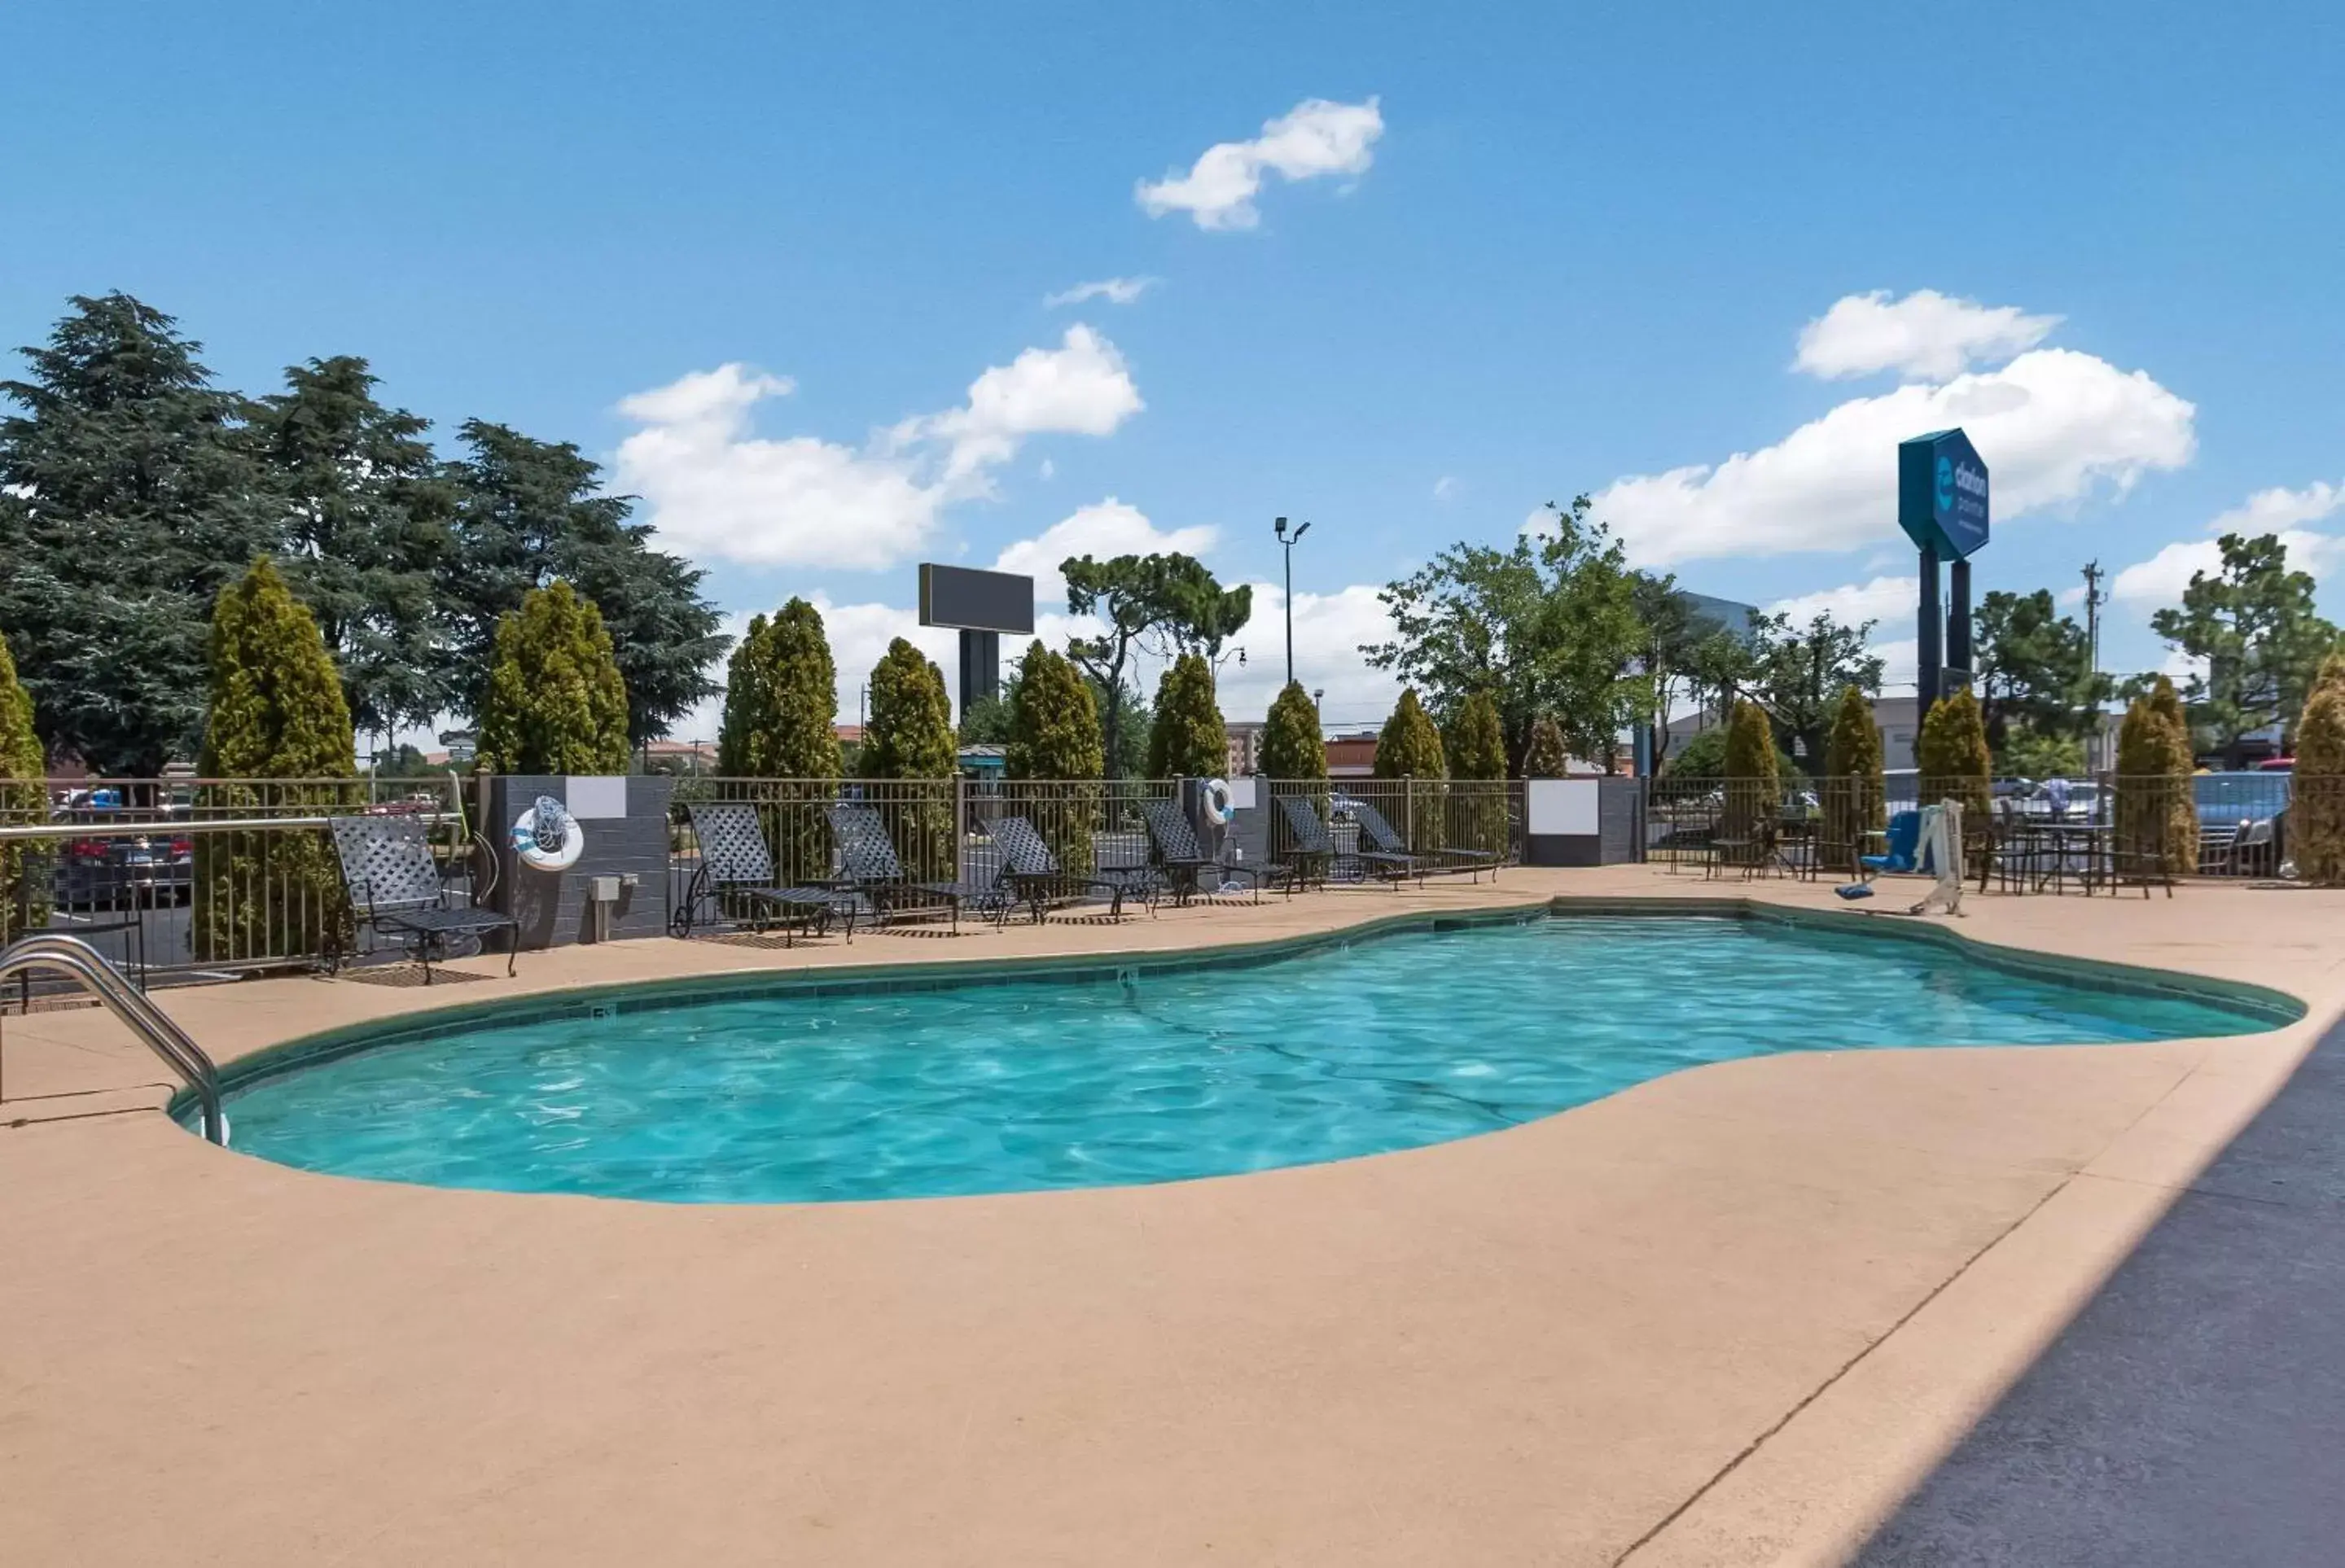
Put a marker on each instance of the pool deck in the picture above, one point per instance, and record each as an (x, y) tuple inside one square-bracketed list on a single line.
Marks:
[(1731, 1316)]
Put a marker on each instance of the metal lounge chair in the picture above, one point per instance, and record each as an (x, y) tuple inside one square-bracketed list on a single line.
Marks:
[(867, 857), (394, 885), (1173, 848), (1380, 833), (736, 864), (1315, 847), (1036, 878)]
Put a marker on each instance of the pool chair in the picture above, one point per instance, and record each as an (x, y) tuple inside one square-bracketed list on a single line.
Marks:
[(736, 868), (1380, 833), (1174, 850), (1904, 847), (1037, 880), (868, 860), (1316, 855), (395, 886)]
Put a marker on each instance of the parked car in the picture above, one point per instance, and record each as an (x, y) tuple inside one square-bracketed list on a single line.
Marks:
[(2062, 800), (2241, 825)]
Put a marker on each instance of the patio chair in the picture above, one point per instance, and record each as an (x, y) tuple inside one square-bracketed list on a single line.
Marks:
[(736, 864), (1314, 846), (1175, 850), (1904, 845), (394, 885), (1037, 880), (868, 858), (1380, 833)]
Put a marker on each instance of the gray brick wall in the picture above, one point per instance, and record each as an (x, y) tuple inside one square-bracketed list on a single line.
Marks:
[(553, 907)]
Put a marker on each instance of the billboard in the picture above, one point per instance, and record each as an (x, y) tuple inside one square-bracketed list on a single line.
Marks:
[(1942, 494), (976, 601)]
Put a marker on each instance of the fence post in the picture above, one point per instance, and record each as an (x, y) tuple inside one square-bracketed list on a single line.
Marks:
[(1408, 809), (961, 821)]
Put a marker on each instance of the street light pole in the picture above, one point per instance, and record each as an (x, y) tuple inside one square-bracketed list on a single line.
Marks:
[(1286, 542)]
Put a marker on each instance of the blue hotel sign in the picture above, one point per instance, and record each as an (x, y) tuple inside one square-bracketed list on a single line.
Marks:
[(1942, 494)]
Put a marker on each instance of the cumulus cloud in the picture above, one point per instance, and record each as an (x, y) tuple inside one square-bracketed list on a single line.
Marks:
[(1313, 139), (1105, 528), (2158, 581), (1927, 335), (1328, 631), (1114, 290), (1886, 600), (2053, 426), (717, 491)]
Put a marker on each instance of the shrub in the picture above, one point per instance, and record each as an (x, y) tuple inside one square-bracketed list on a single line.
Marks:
[(781, 705), (910, 736), (1291, 744), (554, 701), (1754, 786), (1409, 747), (1477, 750), (1546, 757), (1054, 735), (2158, 812), (1855, 795), (25, 871), (1186, 738), (1954, 762), (2316, 812)]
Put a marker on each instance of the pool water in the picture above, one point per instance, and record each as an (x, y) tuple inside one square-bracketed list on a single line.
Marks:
[(1387, 1043)]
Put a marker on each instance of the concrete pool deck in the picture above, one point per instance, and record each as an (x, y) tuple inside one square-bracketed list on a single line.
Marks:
[(1730, 1316)]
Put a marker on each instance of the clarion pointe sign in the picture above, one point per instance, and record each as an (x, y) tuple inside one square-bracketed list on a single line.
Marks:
[(1941, 505)]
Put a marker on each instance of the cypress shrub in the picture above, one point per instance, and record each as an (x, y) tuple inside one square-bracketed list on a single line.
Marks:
[(1954, 762), (2316, 812), (1292, 745), (554, 701), (780, 730), (1056, 745), (1546, 757), (276, 711), (1186, 738), (1409, 748), (1753, 787), (25, 868), (909, 737), (1856, 793), (1477, 750), (2157, 811)]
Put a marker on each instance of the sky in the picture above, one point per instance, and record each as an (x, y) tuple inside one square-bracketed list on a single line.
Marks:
[(835, 290)]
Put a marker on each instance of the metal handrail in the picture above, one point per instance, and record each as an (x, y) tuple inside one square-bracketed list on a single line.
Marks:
[(200, 824), (77, 960)]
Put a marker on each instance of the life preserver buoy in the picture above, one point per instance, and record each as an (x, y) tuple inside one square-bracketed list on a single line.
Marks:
[(548, 837), (1218, 807)]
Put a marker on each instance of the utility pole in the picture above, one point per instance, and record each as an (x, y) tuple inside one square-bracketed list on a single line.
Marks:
[(1286, 542), (2094, 599)]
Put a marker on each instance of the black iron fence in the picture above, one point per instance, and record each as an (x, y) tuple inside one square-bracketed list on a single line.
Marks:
[(1445, 823)]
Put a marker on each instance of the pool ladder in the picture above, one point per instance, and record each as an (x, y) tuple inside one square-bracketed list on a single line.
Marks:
[(86, 967)]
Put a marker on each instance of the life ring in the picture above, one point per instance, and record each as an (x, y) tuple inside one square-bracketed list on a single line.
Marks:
[(548, 837), (1218, 807)]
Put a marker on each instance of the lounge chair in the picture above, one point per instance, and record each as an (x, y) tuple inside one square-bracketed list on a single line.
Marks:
[(736, 864), (1315, 847), (394, 885), (1037, 880), (867, 856), (1904, 845), (1176, 851), (1380, 833)]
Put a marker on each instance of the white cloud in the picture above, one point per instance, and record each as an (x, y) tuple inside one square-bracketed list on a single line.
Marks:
[(1328, 631), (2053, 425), (1927, 335), (2158, 581), (1445, 487), (1114, 290), (1886, 600), (1315, 137), (2069, 598), (1105, 528), (2280, 508), (717, 492), (1047, 469)]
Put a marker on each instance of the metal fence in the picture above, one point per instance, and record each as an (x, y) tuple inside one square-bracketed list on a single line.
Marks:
[(188, 877), (1448, 823)]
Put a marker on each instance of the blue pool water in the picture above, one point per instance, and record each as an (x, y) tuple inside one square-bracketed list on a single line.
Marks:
[(1389, 1043)]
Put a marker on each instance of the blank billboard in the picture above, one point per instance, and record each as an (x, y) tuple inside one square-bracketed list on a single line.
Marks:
[(976, 601)]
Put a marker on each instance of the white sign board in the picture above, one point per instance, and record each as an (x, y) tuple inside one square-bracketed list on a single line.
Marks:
[(591, 796), (1564, 808)]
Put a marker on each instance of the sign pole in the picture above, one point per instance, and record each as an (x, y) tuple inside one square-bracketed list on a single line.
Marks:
[(1958, 627), (1927, 625)]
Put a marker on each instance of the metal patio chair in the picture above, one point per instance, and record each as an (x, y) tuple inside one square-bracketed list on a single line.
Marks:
[(869, 866), (1176, 851), (1381, 833), (1315, 848), (395, 886), (1037, 879), (735, 865)]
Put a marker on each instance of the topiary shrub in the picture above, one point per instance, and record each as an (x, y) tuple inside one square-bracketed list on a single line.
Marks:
[(1953, 762), (2157, 809), (554, 701), (2316, 812), (1057, 750), (1546, 756), (780, 734), (1186, 738), (1753, 788), (276, 711), (25, 868), (1855, 795), (910, 736), (1291, 744), (1476, 749), (1409, 748)]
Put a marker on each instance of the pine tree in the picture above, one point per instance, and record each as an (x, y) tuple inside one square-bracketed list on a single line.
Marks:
[(1477, 750), (276, 712), (24, 800), (1855, 793), (1056, 751), (910, 736), (554, 703), (1186, 738), (1292, 745), (781, 694), (1409, 747), (1954, 762), (1754, 786), (2157, 808), (2316, 812), (1545, 757)]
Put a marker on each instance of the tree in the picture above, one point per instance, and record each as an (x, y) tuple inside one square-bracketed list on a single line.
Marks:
[(2026, 754), (1546, 757), (1855, 793), (987, 720), (2157, 808), (1675, 647), (1168, 604), (406, 761), (1186, 738), (366, 507), (1754, 789), (910, 736), (1799, 673), (276, 711), (1409, 747), (1952, 757), (1477, 750), (2035, 675), (24, 800), (2252, 623), (781, 696), (1055, 745), (2317, 800), (1293, 746), (554, 701), (1547, 625), (129, 498), (528, 513)]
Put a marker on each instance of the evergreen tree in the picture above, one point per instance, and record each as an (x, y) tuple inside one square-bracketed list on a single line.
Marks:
[(1855, 793), (781, 694), (2157, 808), (1291, 744), (129, 498), (1477, 750), (910, 737), (2316, 812), (1754, 786), (1186, 738), (1954, 762), (2252, 623), (24, 800), (1545, 757), (554, 703), (1171, 603), (1056, 749), (275, 713), (1409, 747)]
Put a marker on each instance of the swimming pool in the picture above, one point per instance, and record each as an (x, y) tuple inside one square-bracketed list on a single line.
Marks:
[(1114, 1076)]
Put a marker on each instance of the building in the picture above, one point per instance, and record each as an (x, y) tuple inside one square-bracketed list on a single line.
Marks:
[(1352, 756), (1895, 717), (1246, 746)]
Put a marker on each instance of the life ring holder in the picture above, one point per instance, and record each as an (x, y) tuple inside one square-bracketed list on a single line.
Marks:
[(546, 837), (1220, 809)]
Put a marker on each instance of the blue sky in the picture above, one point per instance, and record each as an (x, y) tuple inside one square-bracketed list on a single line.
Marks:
[(1498, 256)]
